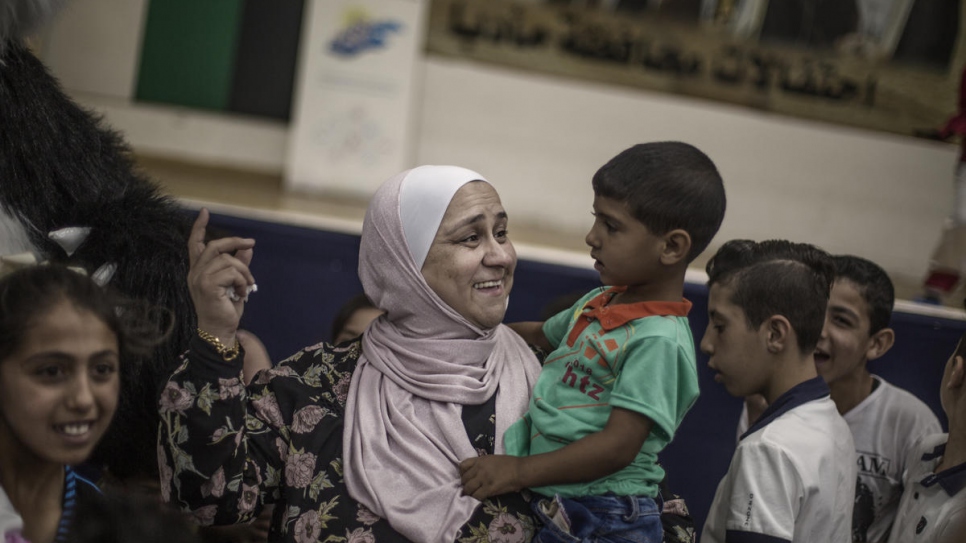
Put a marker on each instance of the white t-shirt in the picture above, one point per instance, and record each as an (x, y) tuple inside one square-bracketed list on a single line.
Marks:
[(792, 478), (931, 502), (10, 521), (885, 427)]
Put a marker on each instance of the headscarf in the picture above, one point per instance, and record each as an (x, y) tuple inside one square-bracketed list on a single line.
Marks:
[(421, 362)]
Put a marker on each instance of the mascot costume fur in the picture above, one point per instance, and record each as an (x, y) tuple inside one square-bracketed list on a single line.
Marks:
[(70, 192)]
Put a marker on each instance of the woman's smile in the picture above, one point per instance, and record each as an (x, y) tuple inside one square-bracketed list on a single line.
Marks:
[(472, 249)]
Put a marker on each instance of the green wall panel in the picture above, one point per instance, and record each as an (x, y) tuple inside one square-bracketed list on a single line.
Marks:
[(188, 53)]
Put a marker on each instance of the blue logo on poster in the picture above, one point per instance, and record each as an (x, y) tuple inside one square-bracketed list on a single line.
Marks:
[(363, 35)]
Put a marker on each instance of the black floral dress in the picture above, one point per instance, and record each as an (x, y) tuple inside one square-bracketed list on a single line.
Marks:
[(226, 449)]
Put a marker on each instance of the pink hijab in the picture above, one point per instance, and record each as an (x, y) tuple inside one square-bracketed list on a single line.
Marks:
[(421, 362)]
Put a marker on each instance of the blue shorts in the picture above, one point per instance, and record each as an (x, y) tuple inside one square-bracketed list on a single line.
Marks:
[(599, 519)]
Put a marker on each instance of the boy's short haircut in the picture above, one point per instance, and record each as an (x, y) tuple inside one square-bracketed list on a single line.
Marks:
[(873, 284), (667, 185), (777, 277)]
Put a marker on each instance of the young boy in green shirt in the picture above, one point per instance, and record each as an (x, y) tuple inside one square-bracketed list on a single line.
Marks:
[(622, 373)]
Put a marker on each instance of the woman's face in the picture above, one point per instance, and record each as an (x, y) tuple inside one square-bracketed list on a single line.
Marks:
[(471, 261), (59, 390)]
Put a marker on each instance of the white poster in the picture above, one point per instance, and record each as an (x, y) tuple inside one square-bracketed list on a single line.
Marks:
[(353, 111)]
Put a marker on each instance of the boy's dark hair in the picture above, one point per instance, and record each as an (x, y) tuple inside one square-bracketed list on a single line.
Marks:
[(667, 185), (777, 277), (29, 293), (873, 284), (357, 302)]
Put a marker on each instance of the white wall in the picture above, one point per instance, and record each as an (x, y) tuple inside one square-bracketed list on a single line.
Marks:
[(539, 139), (94, 45)]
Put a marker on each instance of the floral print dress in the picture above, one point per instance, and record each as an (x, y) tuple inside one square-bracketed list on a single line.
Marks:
[(226, 449)]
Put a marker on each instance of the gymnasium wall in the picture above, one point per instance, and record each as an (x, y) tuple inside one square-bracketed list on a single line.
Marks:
[(538, 138)]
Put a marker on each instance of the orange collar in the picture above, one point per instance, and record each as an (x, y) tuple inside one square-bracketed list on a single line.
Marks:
[(612, 316)]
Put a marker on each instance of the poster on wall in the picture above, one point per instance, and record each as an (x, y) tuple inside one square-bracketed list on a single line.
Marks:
[(352, 118), (888, 65)]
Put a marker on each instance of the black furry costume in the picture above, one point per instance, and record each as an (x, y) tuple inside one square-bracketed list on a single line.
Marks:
[(60, 166)]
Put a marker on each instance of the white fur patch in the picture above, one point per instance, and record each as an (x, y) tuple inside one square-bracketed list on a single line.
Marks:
[(13, 236), (20, 17)]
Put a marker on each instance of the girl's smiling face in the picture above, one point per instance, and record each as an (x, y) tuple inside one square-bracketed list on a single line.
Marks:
[(59, 389)]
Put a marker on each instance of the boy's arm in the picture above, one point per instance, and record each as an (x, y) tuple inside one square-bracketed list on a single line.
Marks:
[(765, 494), (532, 333), (593, 457)]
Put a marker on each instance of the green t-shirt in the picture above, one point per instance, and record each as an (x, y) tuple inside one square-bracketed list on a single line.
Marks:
[(638, 357)]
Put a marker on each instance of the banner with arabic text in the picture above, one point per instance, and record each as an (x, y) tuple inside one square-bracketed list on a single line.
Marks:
[(890, 65)]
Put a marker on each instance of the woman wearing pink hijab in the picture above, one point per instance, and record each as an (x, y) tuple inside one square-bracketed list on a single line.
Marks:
[(362, 442)]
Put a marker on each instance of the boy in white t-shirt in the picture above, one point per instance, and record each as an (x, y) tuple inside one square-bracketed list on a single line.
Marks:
[(933, 504), (885, 420), (792, 475)]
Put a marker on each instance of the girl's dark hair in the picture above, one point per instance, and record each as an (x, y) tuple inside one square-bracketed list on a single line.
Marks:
[(357, 302), (29, 293), (126, 518)]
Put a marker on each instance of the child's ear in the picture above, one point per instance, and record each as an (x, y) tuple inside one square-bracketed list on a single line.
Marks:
[(677, 247), (778, 333), (880, 343), (957, 374)]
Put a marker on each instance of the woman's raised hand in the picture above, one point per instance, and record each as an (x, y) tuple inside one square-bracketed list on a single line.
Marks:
[(219, 280)]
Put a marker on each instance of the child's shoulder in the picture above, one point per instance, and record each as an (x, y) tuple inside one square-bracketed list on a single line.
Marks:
[(930, 446), (894, 406), (659, 319), (814, 426)]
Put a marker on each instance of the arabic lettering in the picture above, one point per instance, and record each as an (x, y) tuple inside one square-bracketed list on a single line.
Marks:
[(617, 43)]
